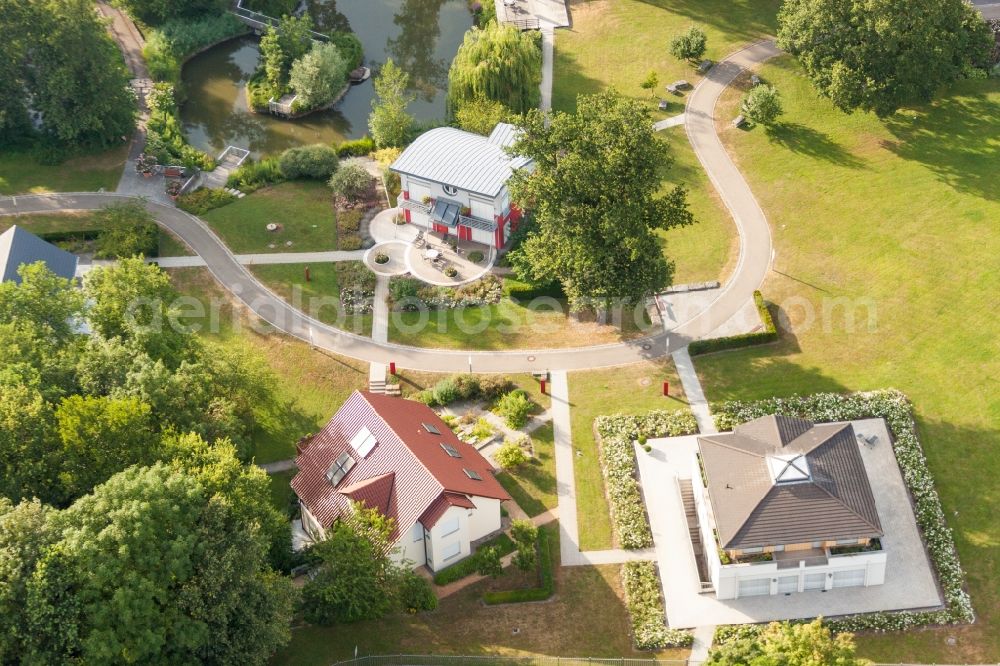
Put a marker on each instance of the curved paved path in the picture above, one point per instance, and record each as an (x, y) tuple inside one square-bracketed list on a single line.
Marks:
[(754, 260)]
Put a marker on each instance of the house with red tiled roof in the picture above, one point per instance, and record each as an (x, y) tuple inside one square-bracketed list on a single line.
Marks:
[(398, 456)]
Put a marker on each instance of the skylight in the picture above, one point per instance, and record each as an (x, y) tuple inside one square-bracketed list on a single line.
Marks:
[(451, 450), (363, 442), (431, 428), (473, 474), (789, 468), (339, 469)]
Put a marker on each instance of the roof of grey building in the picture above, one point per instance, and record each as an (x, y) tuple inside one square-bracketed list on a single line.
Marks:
[(18, 247), (783, 480), (468, 161)]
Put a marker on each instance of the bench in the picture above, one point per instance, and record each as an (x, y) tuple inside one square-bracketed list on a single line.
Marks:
[(755, 80), (704, 66), (739, 121), (663, 105)]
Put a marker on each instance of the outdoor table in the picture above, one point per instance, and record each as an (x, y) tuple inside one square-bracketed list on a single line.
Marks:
[(432, 254)]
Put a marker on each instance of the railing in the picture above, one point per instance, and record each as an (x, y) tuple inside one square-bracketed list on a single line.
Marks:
[(258, 20), (500, 660), (409, 204), (477, 223)]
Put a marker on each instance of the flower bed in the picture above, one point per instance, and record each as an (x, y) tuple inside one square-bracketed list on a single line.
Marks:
[(894, 407), (645, 607), (407, 293), (616, 434)]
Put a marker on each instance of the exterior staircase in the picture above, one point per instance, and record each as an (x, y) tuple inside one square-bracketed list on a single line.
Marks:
[(694, 531), (376, 377)]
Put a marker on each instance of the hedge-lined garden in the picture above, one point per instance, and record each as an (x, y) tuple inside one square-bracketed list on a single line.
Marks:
[(645, 607), (769, 334), (616, 434), (895, 408)]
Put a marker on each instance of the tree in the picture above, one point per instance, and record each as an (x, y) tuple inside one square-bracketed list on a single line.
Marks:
[(650, 82), (525, 535), (273, 60), (43, 301), (281, 46), (499, 63), (315, 162), (689, 45), (354, 578), (786, 644), (389, 123), (28, 455), (592, 196), (481, 115), (488, 562), (128, 230), (155, 12), (514, 407), (510, 455), (878, 55), (319, 75), (761, 105), (352, 183)]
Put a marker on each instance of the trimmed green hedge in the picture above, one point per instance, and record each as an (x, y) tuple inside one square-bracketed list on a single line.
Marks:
[(546, 579), (769, 334), (469, 565), (521, 291), (356, 147)]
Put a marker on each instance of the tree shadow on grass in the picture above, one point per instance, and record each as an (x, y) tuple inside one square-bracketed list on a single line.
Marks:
[(569, 81), (956, 138), (805, 140), (746, 20)]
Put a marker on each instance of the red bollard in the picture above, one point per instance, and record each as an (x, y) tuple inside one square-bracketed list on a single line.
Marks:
[(308, 279), (666, 388), (392, 368), (543, 387)]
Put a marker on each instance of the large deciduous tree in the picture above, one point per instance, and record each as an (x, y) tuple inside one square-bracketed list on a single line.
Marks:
[(498, 62), (155, 12), (879, 55), (389, 122), (786, 644), (593, 193), (319, 75)]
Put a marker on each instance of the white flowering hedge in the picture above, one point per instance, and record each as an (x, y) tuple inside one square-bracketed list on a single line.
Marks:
[(645, 607), (894, 407), (617, 433)]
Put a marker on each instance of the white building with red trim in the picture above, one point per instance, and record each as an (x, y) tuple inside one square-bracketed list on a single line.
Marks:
[(455, 182), (398, 456)]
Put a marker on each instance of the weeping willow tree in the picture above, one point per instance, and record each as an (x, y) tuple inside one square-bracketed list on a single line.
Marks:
[(500, 63)]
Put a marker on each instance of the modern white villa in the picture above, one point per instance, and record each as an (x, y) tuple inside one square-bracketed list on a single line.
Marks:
[(785, 506), (398, 456), (454, 182)]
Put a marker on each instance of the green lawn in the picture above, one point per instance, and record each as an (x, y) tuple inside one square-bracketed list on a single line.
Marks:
[(310, 384), (281, 490), (533, 485), (21, 173), (632, 389), (320, 297), (895, 219), (42, 223), (303, 209), (507, 325)]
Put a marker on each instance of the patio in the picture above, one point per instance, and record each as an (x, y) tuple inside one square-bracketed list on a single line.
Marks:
[(909, 579)]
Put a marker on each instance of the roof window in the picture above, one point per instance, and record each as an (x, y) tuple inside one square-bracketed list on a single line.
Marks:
[(431, 428), (472, 474), (339, 469), (789, 468), (451, 450)]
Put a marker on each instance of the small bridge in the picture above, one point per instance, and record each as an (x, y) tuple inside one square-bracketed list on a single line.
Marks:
[(259, 22)]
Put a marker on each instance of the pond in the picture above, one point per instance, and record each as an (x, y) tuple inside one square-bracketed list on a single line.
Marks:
[(421, 36)]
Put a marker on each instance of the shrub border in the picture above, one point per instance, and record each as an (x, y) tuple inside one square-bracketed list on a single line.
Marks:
[(470, 564), (547, 581), (894, 407), (641, 582), (768, 335), (615, 435)]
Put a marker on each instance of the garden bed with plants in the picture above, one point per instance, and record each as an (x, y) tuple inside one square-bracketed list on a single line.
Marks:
[(406, 293), (503, 544), (534, 555), (616, 434), (645, 607), (895, 408)]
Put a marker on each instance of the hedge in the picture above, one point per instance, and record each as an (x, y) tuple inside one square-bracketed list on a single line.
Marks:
[(893, 406), (469, 565), (616, 434), (521, 291), (546, 580), (769, 334), (356, 147), (645, 608), (201, 201)]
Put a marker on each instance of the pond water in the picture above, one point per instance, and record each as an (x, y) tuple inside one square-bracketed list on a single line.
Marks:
[(421, 36)]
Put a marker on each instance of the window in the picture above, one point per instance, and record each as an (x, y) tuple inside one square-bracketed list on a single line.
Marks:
[(363, 442), (418, 532), (431, 428), (451, 551), (449, 527), (339, 469), (451, 450), (473, 474), (450, 189)]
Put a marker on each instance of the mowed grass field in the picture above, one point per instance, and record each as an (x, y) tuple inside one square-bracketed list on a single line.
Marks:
[(616, 43), (21, 173), (886, 274)]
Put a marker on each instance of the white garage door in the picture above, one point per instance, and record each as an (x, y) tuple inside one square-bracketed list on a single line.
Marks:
[(815, 582), (755, 587), (788, 584), (852, 578), (482, 236)]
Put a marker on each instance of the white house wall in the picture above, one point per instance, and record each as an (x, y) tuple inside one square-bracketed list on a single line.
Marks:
[(730, 575), (408, 550), (485, 518), (439, 541), (482, 206)]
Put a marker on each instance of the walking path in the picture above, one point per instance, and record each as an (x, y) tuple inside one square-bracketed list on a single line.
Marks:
[(267, 258), (693, 391), (380, 310), (672, 121), (548, 55), (703, 637), (128, 37), (278, 466)]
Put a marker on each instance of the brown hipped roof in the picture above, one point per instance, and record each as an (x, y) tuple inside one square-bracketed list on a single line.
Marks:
[(752, 510), (403, 475)]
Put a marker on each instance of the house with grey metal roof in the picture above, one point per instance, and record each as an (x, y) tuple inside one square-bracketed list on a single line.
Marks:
[(454, 182), (785, 505), (19, 247)]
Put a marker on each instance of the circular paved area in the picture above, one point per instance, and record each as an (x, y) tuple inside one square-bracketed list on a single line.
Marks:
[(754, 261), (396, 251)]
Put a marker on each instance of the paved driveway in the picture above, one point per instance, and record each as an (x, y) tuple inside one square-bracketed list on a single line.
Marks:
[(909, 580)]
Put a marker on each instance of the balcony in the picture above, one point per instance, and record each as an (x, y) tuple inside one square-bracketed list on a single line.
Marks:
[(790, 559)]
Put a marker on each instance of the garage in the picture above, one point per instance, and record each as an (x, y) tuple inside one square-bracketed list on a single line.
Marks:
[(815, 582), (852, 578), (755, 587), (788, 584)]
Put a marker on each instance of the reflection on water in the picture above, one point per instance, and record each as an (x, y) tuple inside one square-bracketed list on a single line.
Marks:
[(421, 36)]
